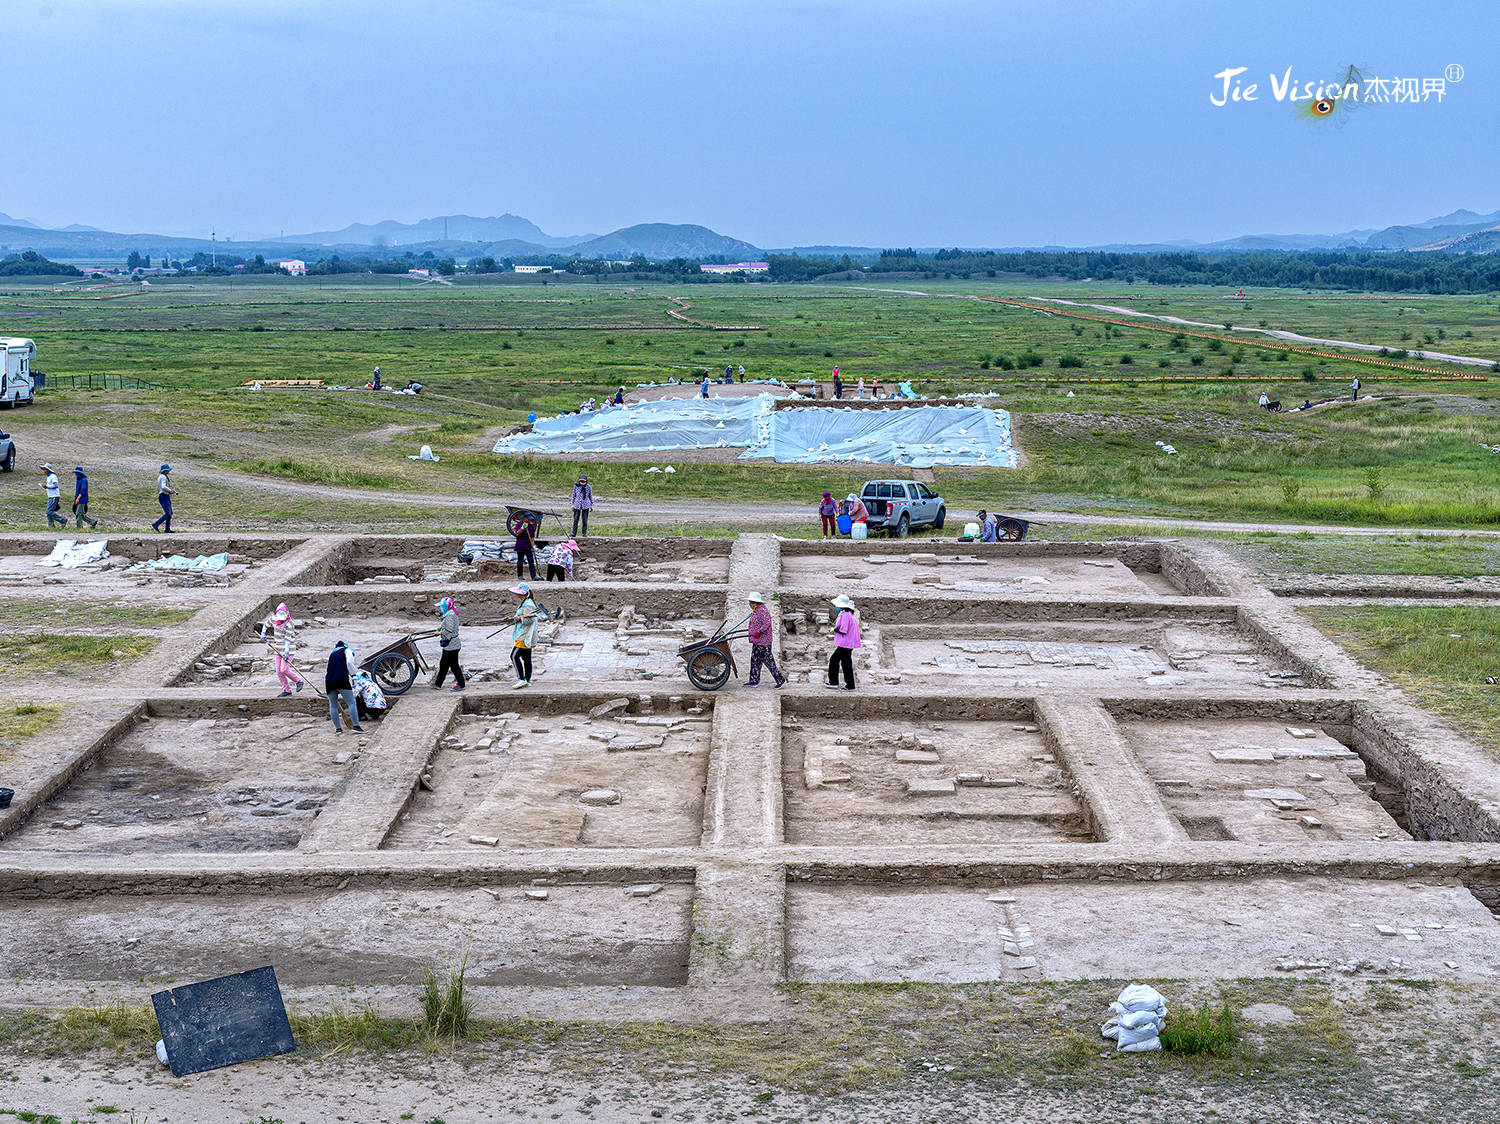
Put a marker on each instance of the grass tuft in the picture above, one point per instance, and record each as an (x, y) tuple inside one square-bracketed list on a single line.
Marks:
[(1202, 1031), (445, 1006)]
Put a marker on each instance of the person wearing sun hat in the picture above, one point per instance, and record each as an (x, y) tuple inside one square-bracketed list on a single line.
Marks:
[(449, 642), (164, 494), (560, 560), (760, 643), (283, 637), (583, 503), (54, 497), (828, 512), (523, 635), (845, 641)]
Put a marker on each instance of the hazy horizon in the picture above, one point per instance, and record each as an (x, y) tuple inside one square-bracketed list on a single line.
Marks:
[(782, 122)]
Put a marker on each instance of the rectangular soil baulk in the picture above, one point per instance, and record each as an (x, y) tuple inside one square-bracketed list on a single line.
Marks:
[(563, 781), (1134, 930), (184, 784), (580, 935), (577, 648), (675, 562), (874, 781), (971, 569), (1164, 653), (1256, 782)]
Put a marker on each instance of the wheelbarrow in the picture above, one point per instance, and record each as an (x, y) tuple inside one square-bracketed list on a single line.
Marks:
[(394, 668), (516, 516), (710, 662), (1011, 530)]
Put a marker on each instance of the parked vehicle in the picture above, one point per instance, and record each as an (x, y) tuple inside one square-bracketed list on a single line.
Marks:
[(7, 452), (18, 382), (898, 506)]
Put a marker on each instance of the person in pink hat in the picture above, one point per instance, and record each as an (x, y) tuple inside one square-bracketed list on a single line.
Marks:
[(281, 640)]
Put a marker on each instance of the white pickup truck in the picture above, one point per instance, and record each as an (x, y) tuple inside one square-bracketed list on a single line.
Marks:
[(17, 382)]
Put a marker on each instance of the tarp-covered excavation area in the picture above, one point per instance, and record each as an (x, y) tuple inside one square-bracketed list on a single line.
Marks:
[(915, 436)]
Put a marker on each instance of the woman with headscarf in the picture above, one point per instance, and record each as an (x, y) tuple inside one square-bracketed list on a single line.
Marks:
[(845, 641), (281, 641), (338, 681), (828, 512), (855, 509), (449, 642), (560, 561), (760, 643), (523, 635)]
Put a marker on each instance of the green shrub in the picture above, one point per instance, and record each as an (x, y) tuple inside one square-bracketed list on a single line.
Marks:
[(445, 1006), (1069, 361), (1201, 1030)]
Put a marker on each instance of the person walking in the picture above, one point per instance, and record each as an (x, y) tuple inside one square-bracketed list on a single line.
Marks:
[(523, 636), (859, 391), (845, 641), (828, 513), (742, 372), (164, 494), (760, 643), (375, 382), (338, 682), (525, 547), (54, 497), (81, 499), (583, 503), (281, 642), (874, 388), (1354, 389), (703, 386), (838, 384), (449, 642)]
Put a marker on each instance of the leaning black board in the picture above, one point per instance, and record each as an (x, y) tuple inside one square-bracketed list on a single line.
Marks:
[(223, 1022)]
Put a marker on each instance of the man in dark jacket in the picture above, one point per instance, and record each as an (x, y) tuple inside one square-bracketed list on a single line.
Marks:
[(339, 683), (81, 500)]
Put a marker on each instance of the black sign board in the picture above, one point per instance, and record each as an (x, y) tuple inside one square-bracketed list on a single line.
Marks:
[(223, 1022)]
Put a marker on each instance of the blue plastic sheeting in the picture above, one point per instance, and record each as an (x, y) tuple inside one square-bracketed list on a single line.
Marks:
[(660, 426), (914, 436)]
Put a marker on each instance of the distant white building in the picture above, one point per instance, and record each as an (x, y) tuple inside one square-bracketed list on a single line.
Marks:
[(737, 267), (419, 273), (533, 269), (295, 266)]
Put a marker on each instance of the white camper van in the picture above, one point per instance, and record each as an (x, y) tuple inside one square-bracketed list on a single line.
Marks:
[(17, 387)]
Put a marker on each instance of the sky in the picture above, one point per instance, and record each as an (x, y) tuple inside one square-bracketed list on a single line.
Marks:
[(781, 122)]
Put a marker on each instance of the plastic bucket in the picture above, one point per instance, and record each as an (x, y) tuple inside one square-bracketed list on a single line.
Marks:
[(858, 531), (844, 524)]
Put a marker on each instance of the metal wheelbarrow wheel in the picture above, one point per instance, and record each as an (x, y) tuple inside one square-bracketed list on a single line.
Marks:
[(393, 673), (708, 669)]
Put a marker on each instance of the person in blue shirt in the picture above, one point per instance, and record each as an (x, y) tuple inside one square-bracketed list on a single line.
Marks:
[(81, 500)]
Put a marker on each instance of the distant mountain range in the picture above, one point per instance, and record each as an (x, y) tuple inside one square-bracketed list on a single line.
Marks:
[(511, 236)]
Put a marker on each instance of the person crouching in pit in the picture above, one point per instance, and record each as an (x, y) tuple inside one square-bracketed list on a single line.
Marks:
[(523, 635), (760, 643)]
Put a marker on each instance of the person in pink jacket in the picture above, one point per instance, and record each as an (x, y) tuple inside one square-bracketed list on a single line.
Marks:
[(845, 641), (760, 643)]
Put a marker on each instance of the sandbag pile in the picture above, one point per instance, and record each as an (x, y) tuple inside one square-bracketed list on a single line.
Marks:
[(1136, 1019)]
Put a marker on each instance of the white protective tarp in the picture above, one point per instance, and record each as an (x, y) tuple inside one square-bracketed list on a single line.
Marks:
[(915, 436), (202, 564), (668, 423), (69, 553)]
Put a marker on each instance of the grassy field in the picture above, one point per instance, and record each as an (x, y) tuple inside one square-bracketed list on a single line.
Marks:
[(490, 353), (1440, 655)]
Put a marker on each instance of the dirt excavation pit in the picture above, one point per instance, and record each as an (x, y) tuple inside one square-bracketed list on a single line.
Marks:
[(575, 935), (630, 646), (962, 568), (125, 570), (657, 561), (1262, 781), (525, 779), (195, 784), (1335, 927), (872, 781), (1166, 653)]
